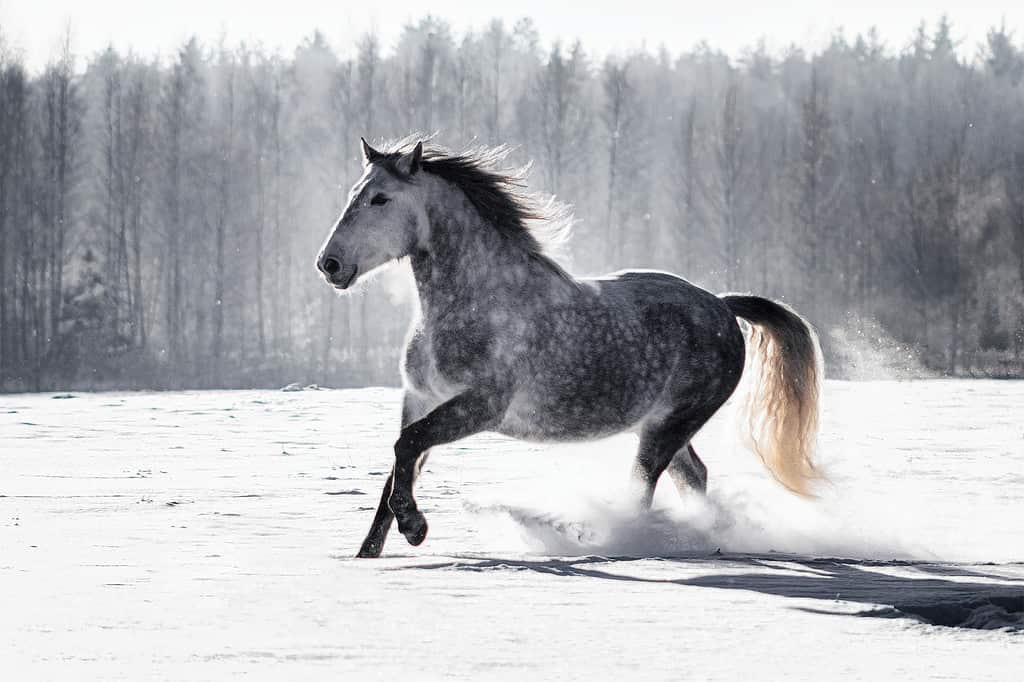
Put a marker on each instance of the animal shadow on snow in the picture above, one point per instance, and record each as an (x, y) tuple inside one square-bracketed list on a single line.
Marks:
[(943, 594)]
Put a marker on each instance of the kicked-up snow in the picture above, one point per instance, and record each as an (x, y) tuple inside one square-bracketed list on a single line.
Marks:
[(203, 535)]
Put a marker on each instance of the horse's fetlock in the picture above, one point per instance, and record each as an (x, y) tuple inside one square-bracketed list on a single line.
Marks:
[(400, 503)]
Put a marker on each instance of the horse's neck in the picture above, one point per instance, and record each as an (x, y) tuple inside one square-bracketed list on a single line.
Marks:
[(466, 266)]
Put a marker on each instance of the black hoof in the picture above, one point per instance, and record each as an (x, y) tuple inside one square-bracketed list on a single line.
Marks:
[(369, 551), (414, 528)]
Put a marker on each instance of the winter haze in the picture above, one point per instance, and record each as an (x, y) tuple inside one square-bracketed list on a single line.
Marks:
[(197, 425), (162, 203)]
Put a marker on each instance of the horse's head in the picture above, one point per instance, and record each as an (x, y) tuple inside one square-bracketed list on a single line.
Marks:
[(383, 221)]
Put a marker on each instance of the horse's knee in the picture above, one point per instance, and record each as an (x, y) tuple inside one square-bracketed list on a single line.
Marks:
[(406, 452), (411, 440)]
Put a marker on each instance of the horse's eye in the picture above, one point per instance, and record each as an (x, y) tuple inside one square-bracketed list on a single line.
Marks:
[(379, 200)]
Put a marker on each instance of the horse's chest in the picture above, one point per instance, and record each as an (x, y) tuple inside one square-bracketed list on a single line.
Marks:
[(443, 360)]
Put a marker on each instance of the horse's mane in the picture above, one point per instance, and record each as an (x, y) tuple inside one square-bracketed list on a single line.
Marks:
[(498, 194)]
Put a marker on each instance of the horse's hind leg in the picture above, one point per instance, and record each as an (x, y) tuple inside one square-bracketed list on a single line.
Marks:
[(687, 471), (659, 444), (665, 444)]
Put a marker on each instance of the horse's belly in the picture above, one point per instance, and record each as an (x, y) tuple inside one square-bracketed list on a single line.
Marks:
[(535, 418), (558, 431)]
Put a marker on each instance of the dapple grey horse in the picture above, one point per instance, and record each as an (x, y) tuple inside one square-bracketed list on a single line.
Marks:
[(506, 340)]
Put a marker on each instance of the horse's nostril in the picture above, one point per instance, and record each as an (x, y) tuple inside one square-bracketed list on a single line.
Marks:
[(332, 266)]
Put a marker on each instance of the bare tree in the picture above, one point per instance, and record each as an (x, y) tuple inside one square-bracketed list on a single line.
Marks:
[(819, 182), (14, 177), (683, 180), (564, 119), (61, 122), (497, 43), (226, 136), (618, 117)]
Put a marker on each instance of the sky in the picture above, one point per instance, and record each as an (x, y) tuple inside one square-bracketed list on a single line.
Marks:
[(35, 26)]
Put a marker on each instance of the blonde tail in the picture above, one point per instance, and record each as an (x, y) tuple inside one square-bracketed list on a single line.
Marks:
[(782, 404)]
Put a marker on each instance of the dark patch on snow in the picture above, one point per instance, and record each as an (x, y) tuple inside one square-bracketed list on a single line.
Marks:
[(64, 396), (989, 612), (971, 604), (353, 491)]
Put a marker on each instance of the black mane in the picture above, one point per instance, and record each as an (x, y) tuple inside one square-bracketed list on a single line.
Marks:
[(497, 194)]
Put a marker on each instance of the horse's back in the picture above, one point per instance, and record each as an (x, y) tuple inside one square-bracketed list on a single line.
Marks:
[(654, 288)]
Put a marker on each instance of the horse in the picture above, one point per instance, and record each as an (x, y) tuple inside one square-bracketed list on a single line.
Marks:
[(505, 339)]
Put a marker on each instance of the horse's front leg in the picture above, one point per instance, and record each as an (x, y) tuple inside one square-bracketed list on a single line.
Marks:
[(373, 544), (414, 406), (468, 413)]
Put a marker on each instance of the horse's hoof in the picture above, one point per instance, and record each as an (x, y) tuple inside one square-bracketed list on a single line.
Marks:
[(368, 551), (414, 528)]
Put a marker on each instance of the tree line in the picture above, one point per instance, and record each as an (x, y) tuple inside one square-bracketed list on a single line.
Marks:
[(159, 217)]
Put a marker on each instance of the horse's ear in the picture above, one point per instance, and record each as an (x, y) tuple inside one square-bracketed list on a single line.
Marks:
[(369, 153), (410, 162)]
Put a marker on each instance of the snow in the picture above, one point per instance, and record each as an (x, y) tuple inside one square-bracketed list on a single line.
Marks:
[(210, 534)]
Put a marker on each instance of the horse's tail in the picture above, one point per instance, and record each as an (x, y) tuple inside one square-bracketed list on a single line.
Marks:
[(782, 403)]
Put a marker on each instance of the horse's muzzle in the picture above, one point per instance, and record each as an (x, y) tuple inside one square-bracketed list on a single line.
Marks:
[(337, 274), (344, 277)]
